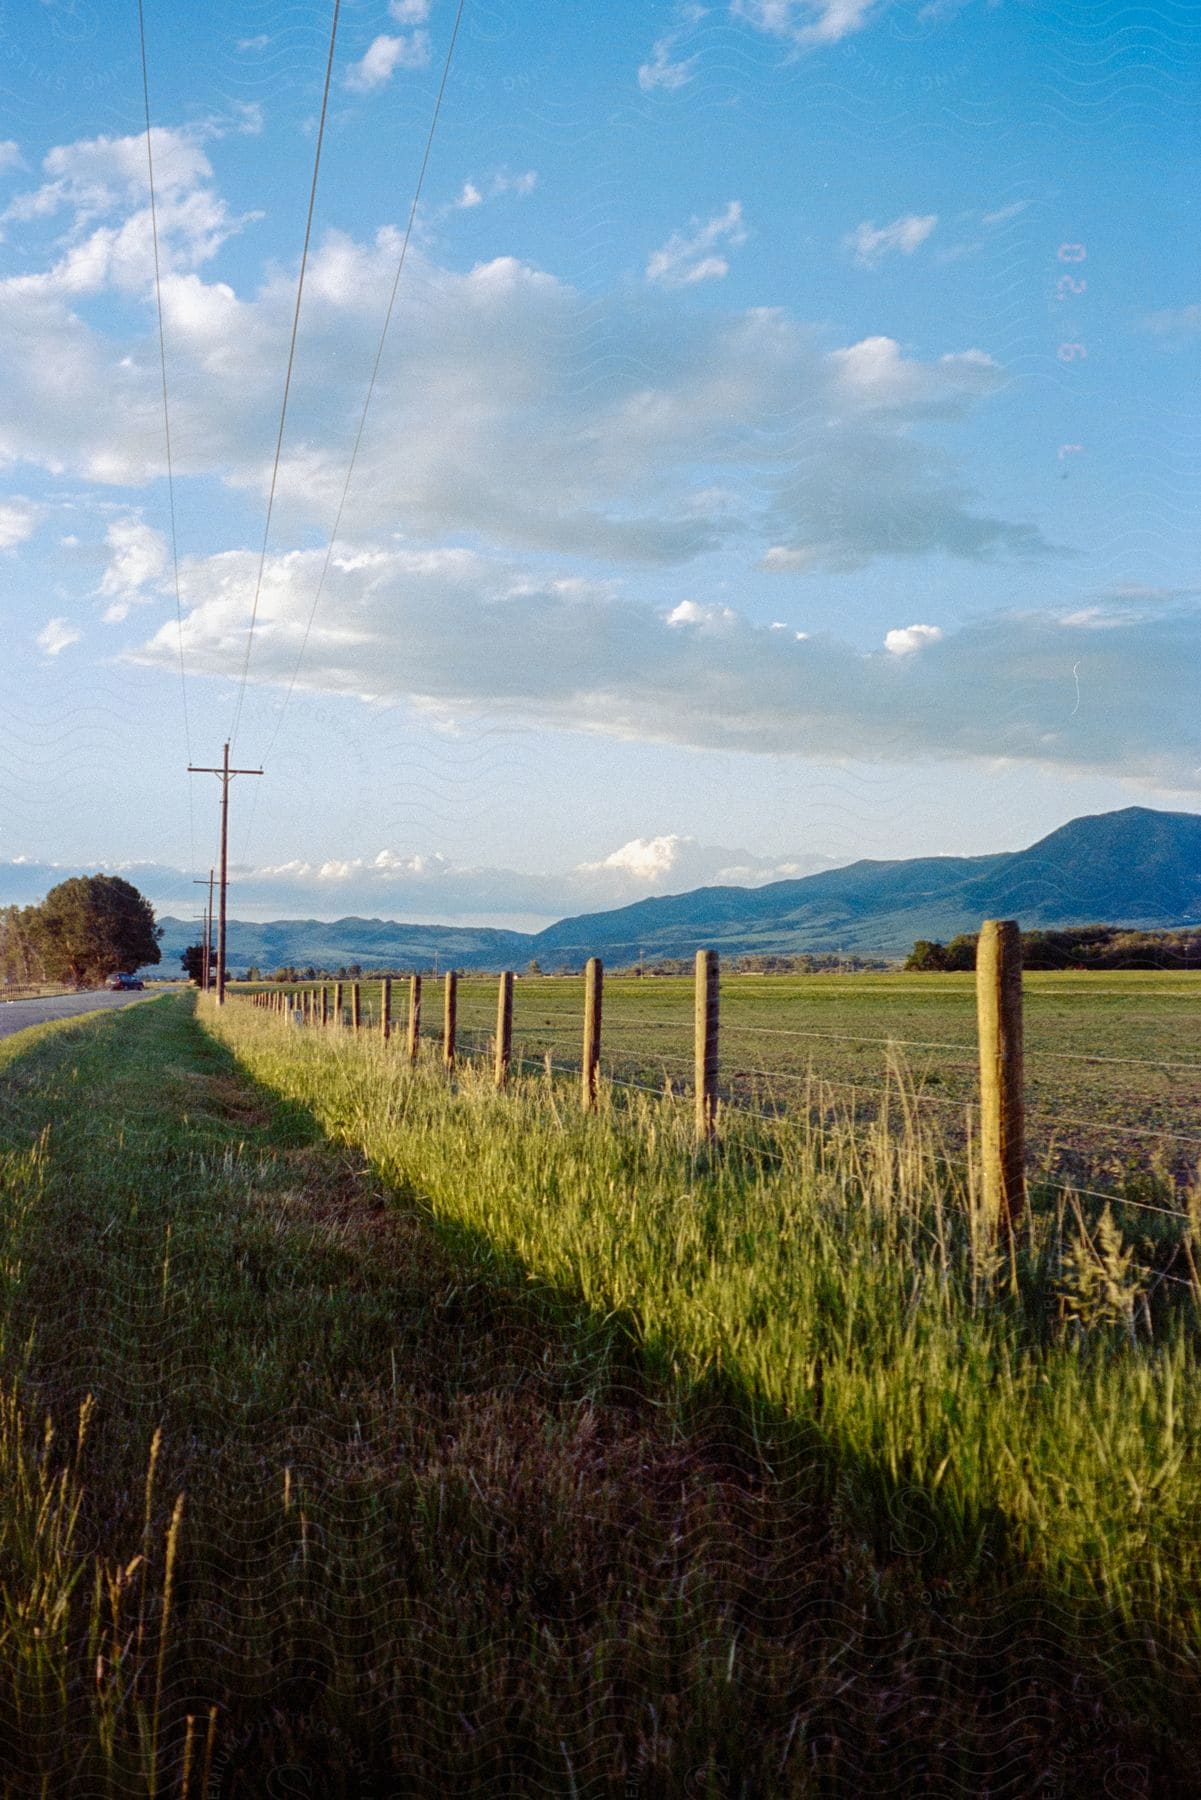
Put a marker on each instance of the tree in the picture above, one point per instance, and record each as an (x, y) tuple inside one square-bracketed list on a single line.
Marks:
[(94, 926), (927, 956), (193, 962), (20, 960)]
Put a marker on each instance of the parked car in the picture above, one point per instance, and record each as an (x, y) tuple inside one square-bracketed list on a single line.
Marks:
[(124, 984)]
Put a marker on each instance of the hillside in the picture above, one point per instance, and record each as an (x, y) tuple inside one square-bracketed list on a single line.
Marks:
[(1134, 867)]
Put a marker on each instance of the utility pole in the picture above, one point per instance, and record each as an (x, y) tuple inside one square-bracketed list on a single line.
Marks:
[(208, 933), (225, 775)]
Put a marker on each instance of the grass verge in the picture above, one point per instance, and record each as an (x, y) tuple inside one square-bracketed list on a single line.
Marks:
[(387, 1447)]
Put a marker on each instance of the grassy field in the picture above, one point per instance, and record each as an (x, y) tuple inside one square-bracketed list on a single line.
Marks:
[(409, 1441), (1113, 1061)]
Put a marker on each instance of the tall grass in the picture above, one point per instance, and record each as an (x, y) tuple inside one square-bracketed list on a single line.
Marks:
[(543, 1456), (845, 1279)]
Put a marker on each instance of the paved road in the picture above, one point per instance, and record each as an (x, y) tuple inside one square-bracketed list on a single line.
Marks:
[(15, 1015)]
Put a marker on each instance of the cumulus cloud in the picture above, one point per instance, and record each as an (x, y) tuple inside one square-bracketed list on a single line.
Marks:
[(805, 23), (674, 864), (384, 55), (908, 638), (454, 633), (425, 886), (490, 387), (500, 182), (691, 256), (18, 521), (107, 179), (56, 636), (138, 558), (870, 243)]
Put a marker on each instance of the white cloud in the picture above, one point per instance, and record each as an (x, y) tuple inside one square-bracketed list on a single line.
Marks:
[(138, 558), (10, 154), (501, 182), (675, 864), (1175, 322), (706, 617), (107, 179), (780, 556), (384, 56), (418, 886), (662, 72), (18, 520), (452, 632), (805, 23), (870, 243), (1003, 214), (254, 43), (490, 384), (56, 636), (907, 639), (409, 12), (688, 257)]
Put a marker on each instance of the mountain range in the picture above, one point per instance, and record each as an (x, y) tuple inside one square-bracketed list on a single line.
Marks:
[(1134, 867)]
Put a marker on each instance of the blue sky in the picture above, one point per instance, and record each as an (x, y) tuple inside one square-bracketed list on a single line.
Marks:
[(784, 449)]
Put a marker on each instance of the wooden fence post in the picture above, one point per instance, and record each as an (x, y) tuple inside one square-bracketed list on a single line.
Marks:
[(594, 977), (339, 1008), (706, 1044), (999, 1020), (450, 1007), (504, 1027), (324, 1005), (385, 1008), (356, 1006), (414, 1016)]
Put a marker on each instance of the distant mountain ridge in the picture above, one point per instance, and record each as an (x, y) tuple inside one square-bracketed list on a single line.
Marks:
[(1136, 867)]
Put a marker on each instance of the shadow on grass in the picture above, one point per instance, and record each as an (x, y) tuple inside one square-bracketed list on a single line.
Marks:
[(552, 1542)]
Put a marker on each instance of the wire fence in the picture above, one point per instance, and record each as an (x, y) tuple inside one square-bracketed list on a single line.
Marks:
[(1130, 1139)]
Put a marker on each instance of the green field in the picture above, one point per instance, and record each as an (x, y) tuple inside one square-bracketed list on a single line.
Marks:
[(415, 1438), (1113, 1061)]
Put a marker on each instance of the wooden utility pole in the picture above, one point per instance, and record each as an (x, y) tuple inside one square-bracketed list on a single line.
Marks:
[(414, 1016), (225, 775), (206, 962), (999, 1019), (594, 975), (706, 1044), (504, 1027), (450, 1008)]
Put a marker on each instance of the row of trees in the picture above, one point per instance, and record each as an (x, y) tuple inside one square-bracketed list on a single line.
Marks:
[(86, 930), (1080, 947)]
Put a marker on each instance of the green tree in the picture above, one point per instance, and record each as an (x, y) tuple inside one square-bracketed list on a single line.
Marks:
[(20, 960), (926, 956), (193, 962), (94, 926)]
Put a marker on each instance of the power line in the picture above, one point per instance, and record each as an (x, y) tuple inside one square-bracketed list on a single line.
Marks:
[(162, 356), (354, 454), (283, 411)]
